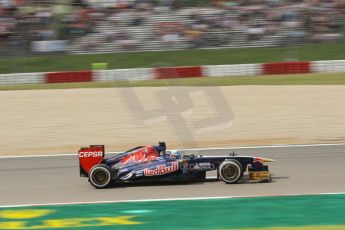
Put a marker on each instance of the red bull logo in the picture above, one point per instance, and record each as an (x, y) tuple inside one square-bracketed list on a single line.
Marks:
[(161, 170)]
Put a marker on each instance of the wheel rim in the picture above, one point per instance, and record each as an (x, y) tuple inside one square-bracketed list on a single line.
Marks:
[(100, 177), (229, 172)]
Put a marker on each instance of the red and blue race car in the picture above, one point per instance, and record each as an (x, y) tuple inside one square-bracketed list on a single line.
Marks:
[(155, 163)]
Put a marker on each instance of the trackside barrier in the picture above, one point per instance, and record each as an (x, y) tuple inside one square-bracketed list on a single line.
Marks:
[(69, 77), (124, 74), (328, 66), (232, 70), (286, 68), (174, 72), (178, 72), (22, 78)]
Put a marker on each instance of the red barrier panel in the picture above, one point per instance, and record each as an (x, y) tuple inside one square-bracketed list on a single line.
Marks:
[(68, 77), (286, 67), (178, 72)]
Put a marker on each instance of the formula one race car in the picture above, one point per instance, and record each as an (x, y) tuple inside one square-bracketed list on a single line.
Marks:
[(155, 163)]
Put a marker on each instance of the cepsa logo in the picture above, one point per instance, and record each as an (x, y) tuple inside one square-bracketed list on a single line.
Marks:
[(90, 154), (161, 169)]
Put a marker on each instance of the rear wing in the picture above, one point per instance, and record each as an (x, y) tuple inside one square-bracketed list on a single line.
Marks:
[(89, 157)]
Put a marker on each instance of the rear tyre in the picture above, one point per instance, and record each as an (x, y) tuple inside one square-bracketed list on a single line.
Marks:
[(100, 176), (230, 171)]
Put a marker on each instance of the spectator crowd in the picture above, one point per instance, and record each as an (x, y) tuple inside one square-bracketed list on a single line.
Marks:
[(117, 25)]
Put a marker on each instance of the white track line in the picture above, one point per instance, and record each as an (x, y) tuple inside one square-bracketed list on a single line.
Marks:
[(48, 155), (165, 199), (193, 149), (267, 146)]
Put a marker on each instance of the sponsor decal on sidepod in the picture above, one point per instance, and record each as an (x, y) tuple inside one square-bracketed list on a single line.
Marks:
[(161, 169)]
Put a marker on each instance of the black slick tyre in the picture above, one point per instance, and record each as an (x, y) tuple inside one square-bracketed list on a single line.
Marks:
[(230, 171), (100, 176)]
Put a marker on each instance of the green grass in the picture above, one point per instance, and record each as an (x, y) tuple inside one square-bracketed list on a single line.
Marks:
[(313, 212), (293, 79), (172, 58)]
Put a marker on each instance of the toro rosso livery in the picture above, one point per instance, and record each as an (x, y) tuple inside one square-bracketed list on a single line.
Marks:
[(154, 163)]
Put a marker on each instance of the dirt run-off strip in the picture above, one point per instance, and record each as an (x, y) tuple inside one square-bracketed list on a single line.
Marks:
[(60, 121)]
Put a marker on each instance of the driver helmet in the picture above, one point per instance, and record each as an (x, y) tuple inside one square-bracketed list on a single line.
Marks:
[(175, 154)]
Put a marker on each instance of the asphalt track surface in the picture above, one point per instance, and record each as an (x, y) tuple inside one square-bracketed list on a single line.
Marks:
[(297, 170)]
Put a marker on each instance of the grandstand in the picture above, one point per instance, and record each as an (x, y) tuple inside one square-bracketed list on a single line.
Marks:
[(79, 27)]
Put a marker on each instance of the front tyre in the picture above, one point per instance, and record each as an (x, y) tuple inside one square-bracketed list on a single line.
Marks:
[(230, 171), (100, 176)]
